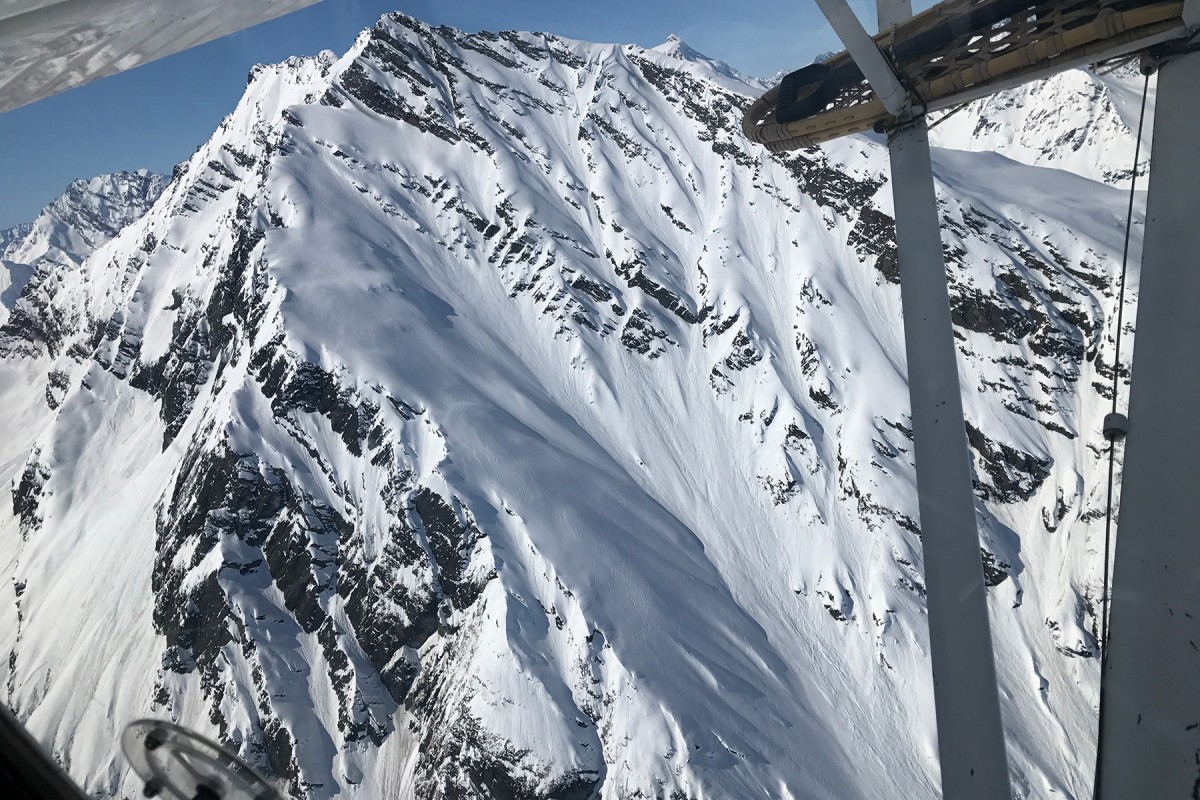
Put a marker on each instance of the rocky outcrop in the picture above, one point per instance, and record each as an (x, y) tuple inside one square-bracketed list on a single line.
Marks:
[(464, 428)]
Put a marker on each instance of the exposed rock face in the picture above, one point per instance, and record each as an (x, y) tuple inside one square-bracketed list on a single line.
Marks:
[(1083, 121), (479, 415), (10, 235), (89, 214), (39, 255)]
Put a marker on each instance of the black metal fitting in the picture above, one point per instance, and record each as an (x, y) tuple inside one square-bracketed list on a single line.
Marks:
[(1116, 426)]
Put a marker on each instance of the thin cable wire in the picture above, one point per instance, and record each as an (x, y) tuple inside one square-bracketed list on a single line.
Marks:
[(947, 116), (1112, 443), (1116, 377)]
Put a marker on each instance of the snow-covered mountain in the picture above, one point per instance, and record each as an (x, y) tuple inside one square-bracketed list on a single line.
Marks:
[(679, 49), (1083, 120), (10, 235), (85, 217), (13, 276), (481, 416)]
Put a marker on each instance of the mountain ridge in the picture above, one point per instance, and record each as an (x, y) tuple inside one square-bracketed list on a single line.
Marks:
[(90, 213), (395, 371)]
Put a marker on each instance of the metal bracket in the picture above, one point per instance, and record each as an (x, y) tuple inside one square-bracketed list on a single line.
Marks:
[(908, 119), (892, 12), (1153, 58)]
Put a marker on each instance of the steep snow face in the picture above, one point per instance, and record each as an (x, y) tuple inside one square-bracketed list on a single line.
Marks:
[(679, 49), (87, 215), (1082, 121), (481, 416)]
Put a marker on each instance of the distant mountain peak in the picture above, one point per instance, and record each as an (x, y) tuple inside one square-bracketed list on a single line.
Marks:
[(676, 47), (87, 215), (10, 235)]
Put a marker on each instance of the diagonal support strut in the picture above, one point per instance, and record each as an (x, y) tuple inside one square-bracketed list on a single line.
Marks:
[(970, 730), (875, 67)]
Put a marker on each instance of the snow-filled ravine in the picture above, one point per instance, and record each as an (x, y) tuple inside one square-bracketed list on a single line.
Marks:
[(481, 416)]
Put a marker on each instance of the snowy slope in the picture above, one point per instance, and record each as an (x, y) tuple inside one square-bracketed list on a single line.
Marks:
[(676, 48), (87, 215), (10, 235), (1082, 120), (481, 416)]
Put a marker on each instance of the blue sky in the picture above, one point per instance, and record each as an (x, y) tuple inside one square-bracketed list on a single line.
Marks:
[(156, 115)]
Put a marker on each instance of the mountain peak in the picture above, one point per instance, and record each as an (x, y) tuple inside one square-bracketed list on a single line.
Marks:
[(675, 46), (87, 215), (448, 423)]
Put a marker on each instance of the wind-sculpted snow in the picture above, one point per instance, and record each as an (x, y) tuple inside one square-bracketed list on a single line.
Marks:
[(479, 415)]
